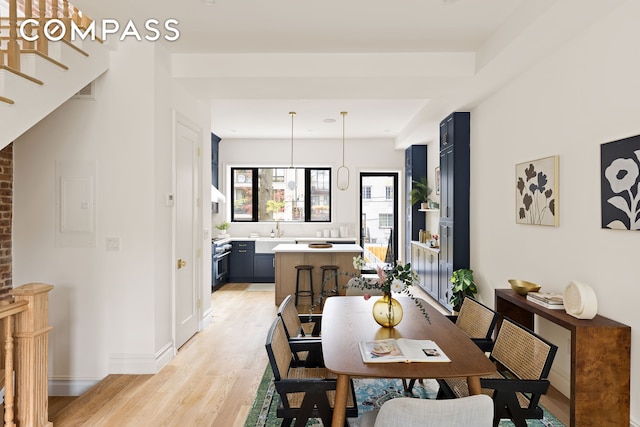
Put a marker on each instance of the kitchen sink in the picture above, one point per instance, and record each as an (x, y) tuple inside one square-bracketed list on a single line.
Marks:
[(265, 245)]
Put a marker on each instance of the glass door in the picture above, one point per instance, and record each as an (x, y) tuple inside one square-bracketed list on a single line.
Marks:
[(379, 217)]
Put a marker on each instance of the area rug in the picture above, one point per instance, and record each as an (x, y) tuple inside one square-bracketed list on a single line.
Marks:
[(261, 287), (370, 394)]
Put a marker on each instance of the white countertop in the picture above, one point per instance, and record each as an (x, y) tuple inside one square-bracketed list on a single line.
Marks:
[(302, 239), (325, 239), (304, 247), (426, 246)]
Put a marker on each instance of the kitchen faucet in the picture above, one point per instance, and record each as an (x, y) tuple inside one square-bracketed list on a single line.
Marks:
[(279, 232)]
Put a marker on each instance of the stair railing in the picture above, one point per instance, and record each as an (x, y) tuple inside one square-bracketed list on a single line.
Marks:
[(11, 42), (25, 336)]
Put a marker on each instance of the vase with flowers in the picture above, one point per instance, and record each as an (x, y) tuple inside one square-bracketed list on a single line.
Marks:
[(398, 278)]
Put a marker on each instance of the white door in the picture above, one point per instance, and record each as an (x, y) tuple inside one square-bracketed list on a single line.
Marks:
[(185, 265)]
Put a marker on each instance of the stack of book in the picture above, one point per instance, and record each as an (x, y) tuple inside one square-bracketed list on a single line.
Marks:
[(547, 300)]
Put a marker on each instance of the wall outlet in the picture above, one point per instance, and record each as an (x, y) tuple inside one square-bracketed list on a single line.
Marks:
[(113, 243)]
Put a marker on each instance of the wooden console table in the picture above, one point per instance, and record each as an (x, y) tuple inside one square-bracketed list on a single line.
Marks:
[(600, 360)]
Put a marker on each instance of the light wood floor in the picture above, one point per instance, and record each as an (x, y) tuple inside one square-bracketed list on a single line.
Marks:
[(211, 382)]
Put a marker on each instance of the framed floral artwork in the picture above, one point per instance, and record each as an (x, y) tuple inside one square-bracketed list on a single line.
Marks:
[(537, 192), (620, 184)]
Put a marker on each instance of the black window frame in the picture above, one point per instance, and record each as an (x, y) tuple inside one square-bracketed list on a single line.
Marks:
[(255, 192)]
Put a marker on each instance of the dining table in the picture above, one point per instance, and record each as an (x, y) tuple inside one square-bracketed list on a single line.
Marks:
[(348, 320)]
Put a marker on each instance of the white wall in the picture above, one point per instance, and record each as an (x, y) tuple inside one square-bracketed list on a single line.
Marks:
[(584, 95), (360, 156), (111, 310)]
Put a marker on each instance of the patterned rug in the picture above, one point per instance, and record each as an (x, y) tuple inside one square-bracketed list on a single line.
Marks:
[(370, 394)]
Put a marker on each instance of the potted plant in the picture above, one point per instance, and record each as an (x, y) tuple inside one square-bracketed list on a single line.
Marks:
[(463, 286), (222, 227), (420, 193)]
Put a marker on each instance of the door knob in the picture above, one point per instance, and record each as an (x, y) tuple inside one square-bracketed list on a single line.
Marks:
[(181, 263)]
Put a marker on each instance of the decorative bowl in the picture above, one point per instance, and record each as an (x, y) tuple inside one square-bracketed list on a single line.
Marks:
[(523, 287)]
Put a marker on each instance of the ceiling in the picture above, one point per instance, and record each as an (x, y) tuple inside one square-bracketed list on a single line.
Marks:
[(396, 67)]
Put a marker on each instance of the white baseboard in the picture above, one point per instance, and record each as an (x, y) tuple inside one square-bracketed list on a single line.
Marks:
[(118, 364), (140, 364), (70, 387), (561, 381), (206, 318), (165, 355)]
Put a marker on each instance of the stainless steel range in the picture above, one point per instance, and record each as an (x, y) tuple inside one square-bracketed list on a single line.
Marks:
[(220, 251)]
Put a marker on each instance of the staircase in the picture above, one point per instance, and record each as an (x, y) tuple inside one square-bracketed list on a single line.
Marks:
[(36, 77)]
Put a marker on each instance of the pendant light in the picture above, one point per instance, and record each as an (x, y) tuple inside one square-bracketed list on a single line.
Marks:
[(343, 171), (292, 114)]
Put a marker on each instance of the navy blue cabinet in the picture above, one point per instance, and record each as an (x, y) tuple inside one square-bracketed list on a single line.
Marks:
[(241, 262), (215, 145), (245, 265), (454, 199), (264, 268)]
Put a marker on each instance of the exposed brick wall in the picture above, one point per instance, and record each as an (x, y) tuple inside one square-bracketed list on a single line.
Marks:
[(6, 216)]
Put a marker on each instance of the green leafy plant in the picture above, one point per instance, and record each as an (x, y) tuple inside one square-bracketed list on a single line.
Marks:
[(420, 191), (463, 286), (223, 226), (392, 277)]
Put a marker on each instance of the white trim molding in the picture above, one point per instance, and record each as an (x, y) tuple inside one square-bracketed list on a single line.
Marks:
[(140, 364), (70, 387)]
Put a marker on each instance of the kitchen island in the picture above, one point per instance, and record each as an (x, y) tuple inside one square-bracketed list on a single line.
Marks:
[(287, 256)]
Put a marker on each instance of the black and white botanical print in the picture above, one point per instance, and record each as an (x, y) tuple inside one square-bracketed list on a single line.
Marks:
[(620, 184), (537, 192)]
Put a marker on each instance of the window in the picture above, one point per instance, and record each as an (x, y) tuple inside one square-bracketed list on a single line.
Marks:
[(242, 194), (319, 194), (278, 175), (278, 194), (386, 220), (366, 192), (388, 192)]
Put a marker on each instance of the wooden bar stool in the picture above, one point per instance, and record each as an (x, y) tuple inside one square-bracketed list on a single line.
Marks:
[(308, 292), (331, 269)]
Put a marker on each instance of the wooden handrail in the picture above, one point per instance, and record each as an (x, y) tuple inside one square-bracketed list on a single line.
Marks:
[(43, 11), (25, 354), (13, 308)]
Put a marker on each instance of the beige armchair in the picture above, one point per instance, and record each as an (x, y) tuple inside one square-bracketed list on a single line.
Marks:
[(472, 411)]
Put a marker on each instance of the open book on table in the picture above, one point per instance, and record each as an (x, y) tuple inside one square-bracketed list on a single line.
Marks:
[(401, 350)]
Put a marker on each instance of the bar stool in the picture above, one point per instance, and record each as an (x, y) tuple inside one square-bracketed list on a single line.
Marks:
[(331, 269), (308, 292)]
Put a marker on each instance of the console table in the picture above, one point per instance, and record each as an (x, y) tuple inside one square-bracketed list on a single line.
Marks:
[(600, 360)]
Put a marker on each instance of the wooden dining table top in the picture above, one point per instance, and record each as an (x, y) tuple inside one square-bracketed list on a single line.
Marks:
[(348, 320)]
